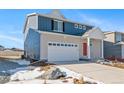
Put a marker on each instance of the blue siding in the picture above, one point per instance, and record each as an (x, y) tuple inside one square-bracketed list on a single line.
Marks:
[(45, 24), (32, 44), (112, 50), (69, 29)]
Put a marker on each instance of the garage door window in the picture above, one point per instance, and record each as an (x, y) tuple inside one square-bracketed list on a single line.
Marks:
[(50, 44), (65, 44), (62, 44), (54, 44), (75, 45), (58, 44)]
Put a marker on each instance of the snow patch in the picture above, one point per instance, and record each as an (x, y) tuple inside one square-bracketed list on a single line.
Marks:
[(27, 74)]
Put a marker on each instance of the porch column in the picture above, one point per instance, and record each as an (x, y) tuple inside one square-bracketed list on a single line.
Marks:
[(102, 48), (88, 47)]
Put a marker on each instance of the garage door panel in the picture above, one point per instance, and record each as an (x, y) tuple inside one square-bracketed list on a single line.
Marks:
[(63, 53)]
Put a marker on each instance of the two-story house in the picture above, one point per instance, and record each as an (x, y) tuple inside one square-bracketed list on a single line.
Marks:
[(114, 45), (53, 37)]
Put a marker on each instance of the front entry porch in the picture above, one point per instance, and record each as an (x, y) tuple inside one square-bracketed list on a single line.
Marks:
[(92, 44)]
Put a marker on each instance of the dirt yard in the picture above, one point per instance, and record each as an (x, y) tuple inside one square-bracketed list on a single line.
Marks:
[(11, 54)]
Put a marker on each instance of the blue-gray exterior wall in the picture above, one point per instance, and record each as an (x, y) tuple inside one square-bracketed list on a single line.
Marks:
[(110, 49), (45, 24), (70, 29), (32, 45)]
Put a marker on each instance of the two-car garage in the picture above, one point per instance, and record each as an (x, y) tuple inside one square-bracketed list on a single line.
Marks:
[(58, 51)]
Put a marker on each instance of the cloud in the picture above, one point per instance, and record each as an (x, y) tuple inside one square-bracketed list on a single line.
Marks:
[(11, 38)]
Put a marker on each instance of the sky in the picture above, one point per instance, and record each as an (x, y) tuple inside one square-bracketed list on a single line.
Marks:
[(12, 22)]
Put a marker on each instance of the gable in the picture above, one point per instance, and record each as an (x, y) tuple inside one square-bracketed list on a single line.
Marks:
[(94, 33)]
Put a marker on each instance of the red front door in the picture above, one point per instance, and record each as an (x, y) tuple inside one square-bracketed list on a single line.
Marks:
[(85, 49)]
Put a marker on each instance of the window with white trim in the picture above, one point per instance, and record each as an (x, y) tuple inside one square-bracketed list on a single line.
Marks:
[(58, 26)]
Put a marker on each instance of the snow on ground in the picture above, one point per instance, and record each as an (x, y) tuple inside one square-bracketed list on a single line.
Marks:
[(21, 62), (28, 75)]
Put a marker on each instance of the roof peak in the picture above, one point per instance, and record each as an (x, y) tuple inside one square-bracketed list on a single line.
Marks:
[(56, 13)]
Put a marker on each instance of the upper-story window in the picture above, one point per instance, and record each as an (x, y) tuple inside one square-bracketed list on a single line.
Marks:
[(118, 37), (58, 26), (122, 37)]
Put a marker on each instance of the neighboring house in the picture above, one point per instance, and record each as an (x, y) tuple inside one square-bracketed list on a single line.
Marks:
[(1, 48), (16, 49), (114, 45), (52, 37)]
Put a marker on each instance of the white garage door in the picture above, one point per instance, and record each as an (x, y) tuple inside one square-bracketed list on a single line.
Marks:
[(63, 52)]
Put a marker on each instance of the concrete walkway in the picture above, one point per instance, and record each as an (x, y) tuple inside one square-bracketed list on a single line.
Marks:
[(105, 74)]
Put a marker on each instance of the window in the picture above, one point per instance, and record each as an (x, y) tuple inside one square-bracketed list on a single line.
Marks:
[(65, 44), (58, 44), (118, 37), (75, 25), (75, 45), (58, 26), (50, 44), (62, 44), (80, 26), (84, 27), (54, 44)]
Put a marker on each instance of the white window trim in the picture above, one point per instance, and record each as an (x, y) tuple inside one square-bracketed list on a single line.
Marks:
[(59, 26)]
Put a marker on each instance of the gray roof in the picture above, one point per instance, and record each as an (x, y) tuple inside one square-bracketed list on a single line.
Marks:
[(110, 32), (120, 43)]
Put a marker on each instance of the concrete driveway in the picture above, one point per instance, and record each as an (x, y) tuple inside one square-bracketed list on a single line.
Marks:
[(105, 74)]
